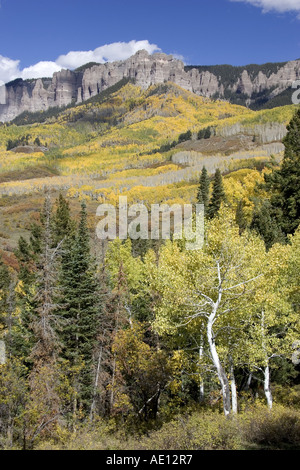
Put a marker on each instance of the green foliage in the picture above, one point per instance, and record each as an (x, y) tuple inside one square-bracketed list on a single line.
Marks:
[(199, 431), (62, 222), (240, 218), (27, 117), (205, 133), (13, 399), (203, 189), (283, 184), (23, 140), (82, 68), (185, 136), (124, 340), (79, 305), (265, 225), (263, 100), (218, 195)]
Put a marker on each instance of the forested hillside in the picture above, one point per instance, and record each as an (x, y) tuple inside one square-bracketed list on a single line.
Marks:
[(145, 344)]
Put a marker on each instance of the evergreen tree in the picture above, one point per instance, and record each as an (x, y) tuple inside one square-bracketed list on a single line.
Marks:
[(36, 237), (43, 324), (23, 338), (185, 136), (62, 222), (265, 225), (207, 133), (79, 307), (4, 293), (240, 218), (284, 182), (44, 378), (8, 321), (34, 337), (203, 189), (204, 133), (24, 256), (218, 195)]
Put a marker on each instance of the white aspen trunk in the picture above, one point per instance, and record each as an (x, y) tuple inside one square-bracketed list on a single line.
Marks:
[(267, 389), (249, 380), (201, 392), (233, 390), (201, 383), (96, 385), (220, 371)]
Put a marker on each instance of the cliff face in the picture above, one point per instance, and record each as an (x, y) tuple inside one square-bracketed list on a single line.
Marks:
[(278, 82), (68, 86)]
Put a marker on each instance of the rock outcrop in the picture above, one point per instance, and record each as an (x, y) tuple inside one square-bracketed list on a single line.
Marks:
[(69, 86)]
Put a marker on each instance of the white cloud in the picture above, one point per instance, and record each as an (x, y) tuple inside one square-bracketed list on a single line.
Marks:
[(107, 53), (281, 6), (41, 69), (10, 69), (178, 57)]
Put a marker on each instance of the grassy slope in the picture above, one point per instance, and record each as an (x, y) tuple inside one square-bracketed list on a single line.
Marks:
[(105, 146)]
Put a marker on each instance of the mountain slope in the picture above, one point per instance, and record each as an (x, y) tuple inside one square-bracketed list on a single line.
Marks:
[(133, 128), (145, 144), (252, 85)]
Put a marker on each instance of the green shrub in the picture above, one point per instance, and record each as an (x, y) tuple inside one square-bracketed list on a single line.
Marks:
[(200, 431)]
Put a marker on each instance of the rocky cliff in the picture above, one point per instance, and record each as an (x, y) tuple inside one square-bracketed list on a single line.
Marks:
[(242, 85)]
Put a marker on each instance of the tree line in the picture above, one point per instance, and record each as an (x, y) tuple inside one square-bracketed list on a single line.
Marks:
[(147, 328)]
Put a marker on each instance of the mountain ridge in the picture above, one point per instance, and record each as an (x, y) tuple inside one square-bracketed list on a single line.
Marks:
[(252, 86)]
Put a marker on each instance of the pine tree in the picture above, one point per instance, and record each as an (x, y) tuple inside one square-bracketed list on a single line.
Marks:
[(284, 182), (203, 189), (218, 195), (79, 307)]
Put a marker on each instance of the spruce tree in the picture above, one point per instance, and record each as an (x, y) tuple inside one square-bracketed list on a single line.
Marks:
[(26, 263), (266, 226), (203, 189), (62, 222), (218, 195), (284, 182), (79, 307)]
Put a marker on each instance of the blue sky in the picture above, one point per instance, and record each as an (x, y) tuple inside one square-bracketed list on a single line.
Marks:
[(36, 36)]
